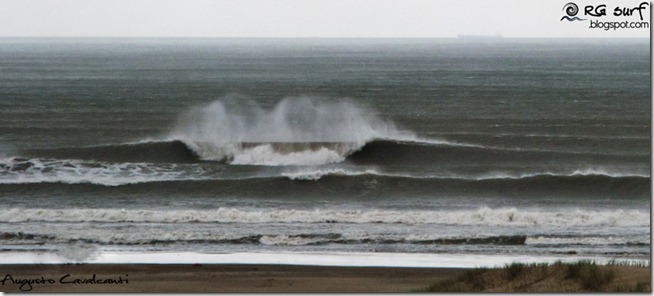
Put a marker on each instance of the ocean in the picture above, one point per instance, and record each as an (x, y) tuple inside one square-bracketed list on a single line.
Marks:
[(523, 148)]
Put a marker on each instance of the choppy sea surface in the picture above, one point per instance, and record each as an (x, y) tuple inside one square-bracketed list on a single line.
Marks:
[(526, 148)]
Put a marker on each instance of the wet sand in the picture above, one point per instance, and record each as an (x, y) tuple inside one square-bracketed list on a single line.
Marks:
[(216, 278)]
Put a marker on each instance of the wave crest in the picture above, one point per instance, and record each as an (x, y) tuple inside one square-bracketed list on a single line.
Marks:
[(296, 131)]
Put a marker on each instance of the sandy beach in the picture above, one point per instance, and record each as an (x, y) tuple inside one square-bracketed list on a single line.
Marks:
[(301, 278), (217, 278)]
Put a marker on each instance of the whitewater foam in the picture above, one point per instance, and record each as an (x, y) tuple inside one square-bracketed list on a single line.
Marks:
[(35, 170), (317, 174), (575, 172), (592, 240), (481, 216), (285, 240), (266, 155)]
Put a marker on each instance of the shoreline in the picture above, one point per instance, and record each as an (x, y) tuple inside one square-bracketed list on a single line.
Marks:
[(336, 259)]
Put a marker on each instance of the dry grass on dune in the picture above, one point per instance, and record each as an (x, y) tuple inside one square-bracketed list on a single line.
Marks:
[(582, 276)]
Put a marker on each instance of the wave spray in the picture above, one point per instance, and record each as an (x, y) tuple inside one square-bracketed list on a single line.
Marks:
[(296, 131)]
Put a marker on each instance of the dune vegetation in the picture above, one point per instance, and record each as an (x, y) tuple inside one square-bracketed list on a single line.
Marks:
[(582, 276)]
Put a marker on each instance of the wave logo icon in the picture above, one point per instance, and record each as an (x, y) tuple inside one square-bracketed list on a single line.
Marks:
[(571, 10)]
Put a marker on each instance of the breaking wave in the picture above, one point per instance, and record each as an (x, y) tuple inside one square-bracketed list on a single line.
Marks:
[(302, 131), (482, 216), (296, 131), (405, 150)]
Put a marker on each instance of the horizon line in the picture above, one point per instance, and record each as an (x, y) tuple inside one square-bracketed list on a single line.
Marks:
[(324, 37)]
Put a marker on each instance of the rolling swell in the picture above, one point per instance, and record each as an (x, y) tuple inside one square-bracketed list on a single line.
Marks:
[(385, 152), (153, 152), (371, 186), (377, 152)]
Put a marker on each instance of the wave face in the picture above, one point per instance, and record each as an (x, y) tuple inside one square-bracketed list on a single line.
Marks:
[(430, 152), (297, 131), (141, 152)]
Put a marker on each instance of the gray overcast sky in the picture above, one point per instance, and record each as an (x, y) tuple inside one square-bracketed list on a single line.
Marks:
[(304, 18)]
